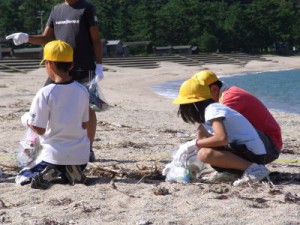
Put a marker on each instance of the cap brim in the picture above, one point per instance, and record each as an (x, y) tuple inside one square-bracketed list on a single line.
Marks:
[(182, 101), (42, 61)]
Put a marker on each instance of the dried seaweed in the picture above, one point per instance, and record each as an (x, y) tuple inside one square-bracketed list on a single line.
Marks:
[(144, 172)]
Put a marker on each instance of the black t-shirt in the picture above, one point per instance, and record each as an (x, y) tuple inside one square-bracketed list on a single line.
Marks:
[(71, 24)]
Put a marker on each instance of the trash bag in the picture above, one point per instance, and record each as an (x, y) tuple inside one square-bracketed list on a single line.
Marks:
[(29, 148), (97, 100), (185, 165)]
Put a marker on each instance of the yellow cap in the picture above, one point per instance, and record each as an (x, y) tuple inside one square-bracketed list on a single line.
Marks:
[(207, 76), (58, 51), (192, 91)]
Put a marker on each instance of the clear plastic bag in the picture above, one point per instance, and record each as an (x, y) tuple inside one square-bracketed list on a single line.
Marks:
[(29, 148), (97, 100)]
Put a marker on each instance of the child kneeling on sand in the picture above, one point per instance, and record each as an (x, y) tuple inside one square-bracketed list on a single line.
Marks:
[(59, 114), (230, 144)]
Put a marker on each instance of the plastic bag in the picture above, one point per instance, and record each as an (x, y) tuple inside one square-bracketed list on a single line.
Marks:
[(29, 148), (97, 100), (185, 165)]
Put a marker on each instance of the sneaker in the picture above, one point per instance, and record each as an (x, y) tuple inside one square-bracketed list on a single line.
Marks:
[(219, 177), (92, 156), (43, 179), (254, 173), (75, 174)]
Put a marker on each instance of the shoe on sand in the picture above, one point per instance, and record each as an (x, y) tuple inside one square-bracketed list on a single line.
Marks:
[(74, 174), (43, 179), (254, 173)]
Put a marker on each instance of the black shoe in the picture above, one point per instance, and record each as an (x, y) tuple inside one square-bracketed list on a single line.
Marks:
[(43, 179), (92, 156), (75, 174)]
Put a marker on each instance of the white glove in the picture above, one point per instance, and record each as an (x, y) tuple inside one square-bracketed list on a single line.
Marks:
[(183, 152), (189, 146), (18, 38), (25, 119), (99, 72)]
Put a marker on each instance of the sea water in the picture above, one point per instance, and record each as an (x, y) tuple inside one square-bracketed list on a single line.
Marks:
[(278, 90)]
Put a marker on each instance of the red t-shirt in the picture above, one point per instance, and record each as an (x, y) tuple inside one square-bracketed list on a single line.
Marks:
[(254, 110)]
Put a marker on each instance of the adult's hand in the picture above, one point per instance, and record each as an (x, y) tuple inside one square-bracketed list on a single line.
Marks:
[(18, 38)]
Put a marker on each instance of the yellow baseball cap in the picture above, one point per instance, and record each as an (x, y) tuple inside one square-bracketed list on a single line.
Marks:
[(58, 51), (192, 91), (207, 76)]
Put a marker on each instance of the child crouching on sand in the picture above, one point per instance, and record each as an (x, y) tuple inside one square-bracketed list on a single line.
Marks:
[(59, 114), (230, 144)]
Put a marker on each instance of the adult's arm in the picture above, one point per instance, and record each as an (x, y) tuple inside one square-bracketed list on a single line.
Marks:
[(97, 47), (41, 39)]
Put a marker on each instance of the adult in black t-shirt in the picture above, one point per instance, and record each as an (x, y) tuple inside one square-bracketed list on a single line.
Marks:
[(74, 22)]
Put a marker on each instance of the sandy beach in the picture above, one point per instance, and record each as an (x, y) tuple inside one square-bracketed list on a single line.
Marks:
[(135, 139)]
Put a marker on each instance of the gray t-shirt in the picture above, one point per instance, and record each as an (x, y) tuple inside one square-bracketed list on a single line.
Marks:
[(71, 24)]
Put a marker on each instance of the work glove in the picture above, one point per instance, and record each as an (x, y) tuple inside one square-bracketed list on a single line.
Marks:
[(99, 72), (18, 38)]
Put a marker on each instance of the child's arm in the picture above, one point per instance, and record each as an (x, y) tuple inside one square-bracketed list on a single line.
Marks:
[(202, 132), (84, 125), (218, 139), (38, 130)]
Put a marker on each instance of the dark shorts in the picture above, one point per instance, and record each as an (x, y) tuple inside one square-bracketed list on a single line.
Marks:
[(272, 153), (82, 76)]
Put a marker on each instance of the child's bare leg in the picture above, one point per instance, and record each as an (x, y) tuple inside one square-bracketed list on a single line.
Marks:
[(91, 126), (223, 159)]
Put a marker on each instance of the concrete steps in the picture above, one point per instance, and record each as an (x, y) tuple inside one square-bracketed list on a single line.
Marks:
[(142, 62)]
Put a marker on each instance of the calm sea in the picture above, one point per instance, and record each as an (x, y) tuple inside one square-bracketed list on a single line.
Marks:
[(278, 90)]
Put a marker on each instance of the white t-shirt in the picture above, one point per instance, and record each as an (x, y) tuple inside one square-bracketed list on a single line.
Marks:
[(239, 130), (61, 109)]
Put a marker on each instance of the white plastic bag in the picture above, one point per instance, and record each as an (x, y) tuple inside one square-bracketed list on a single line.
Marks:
[(185, 165), (97, 100), (29, 148)]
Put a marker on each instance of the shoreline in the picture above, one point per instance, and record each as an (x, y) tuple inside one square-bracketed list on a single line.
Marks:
[(169, 89)]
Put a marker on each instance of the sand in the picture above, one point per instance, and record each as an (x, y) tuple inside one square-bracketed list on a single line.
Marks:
[(137, 137)]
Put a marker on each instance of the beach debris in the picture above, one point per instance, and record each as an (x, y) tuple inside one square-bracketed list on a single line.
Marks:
[(143, 222), (274, 191), (10, 116), (252, 201), (10, 167), (160, 191), (289, 197), (114, 186), (3, 205), (145, 172), (182, 135), (219, 188), (284, 178), (221, 197), (59, 202)]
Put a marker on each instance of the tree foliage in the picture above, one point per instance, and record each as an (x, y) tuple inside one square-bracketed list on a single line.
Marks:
[(250, 26)]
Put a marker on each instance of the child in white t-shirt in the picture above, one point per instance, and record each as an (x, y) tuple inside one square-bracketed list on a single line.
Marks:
[(59, 114), (229, 143)]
